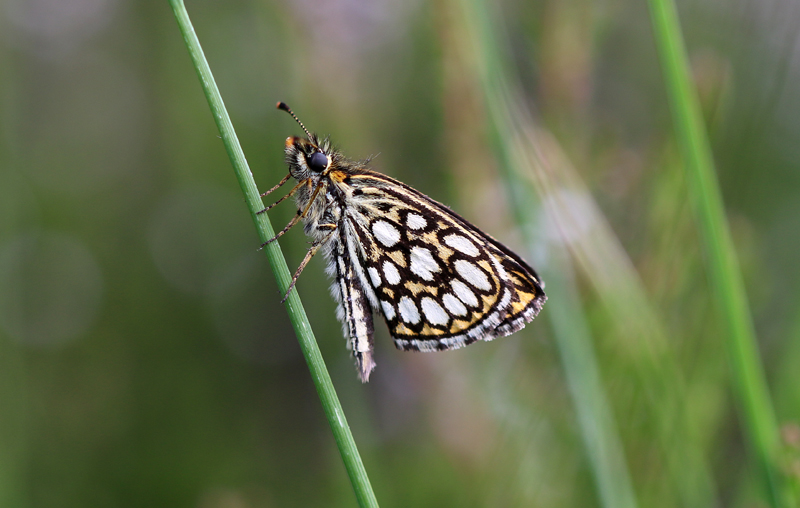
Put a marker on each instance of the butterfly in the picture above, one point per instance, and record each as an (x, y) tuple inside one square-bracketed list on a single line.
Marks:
[(439, 282)]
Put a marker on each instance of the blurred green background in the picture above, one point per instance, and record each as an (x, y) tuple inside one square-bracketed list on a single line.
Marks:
[(145, 359)]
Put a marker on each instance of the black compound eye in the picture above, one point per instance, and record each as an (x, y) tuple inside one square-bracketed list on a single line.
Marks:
[(318, 162)]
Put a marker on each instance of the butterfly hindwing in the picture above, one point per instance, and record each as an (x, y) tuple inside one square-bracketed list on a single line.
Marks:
[(354, 306)]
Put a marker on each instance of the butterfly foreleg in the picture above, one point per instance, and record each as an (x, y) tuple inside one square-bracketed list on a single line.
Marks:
[(310, 254)]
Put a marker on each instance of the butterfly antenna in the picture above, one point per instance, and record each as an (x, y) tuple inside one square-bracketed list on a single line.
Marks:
[(282, 105)]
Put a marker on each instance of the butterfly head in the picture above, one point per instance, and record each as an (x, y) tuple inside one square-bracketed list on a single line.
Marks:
[(306, 157)]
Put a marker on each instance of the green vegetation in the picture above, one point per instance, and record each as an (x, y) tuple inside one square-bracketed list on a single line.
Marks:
[(650, 177)]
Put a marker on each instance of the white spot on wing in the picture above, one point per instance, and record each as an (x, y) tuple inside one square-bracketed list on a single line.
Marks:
[(375, 276), (434, 312), (473, 274), (422, 263), (391, 273), (408, 310), (388, 309), (461, 244), (387, 234), (464, 294), (416, 221), (454, 305)]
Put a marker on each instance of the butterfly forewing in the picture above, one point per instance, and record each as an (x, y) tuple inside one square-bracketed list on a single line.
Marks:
[(439, 282)]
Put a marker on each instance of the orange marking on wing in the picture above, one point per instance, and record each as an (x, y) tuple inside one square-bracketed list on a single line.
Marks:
[(397, 257), (459, 325), (428, 330), (402, 329)]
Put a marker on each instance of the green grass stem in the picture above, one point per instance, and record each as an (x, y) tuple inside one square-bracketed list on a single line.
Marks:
[(749, 381), (297, 315)]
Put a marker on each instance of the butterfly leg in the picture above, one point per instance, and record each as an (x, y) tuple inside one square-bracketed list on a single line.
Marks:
[(297, 217), (278, 186), (310, 254), (276, 203), (283, 231)]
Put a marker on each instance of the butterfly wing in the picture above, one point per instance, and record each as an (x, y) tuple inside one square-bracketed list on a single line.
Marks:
[(354, 305), (439, 281)]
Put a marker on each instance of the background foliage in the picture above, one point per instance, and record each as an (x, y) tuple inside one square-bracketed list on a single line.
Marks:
[(144, 356)]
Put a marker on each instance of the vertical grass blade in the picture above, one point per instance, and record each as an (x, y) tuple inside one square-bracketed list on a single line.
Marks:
[(749, 381), (319, 373)]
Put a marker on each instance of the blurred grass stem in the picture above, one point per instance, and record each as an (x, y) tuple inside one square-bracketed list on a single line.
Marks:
[(319, 373), (750, 386), (603, 446)]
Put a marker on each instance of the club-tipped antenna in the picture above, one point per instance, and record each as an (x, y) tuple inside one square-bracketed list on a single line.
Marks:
[(282, 105)]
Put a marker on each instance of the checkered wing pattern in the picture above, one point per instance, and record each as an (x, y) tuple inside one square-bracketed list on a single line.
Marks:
[(439, 281)]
